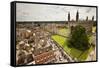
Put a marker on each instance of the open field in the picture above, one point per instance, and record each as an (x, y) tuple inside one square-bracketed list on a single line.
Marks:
[(64, 32), (74, 53)]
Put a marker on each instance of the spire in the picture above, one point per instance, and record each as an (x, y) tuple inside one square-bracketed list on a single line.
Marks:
[(93, 18), (77, 16), (87, 18), (68, 16)]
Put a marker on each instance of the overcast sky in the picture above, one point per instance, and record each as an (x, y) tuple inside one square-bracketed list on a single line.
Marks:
[(42, 12)]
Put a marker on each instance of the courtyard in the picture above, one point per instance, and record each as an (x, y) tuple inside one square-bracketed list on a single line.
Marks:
[(74, 53)]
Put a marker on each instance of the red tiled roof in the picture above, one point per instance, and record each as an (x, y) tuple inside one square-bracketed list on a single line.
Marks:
[(44, 57)]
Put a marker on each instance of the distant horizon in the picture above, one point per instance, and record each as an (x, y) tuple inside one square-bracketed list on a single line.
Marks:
[(52, 21)]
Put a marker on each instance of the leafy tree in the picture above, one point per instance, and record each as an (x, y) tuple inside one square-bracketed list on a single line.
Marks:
[(79, 38)]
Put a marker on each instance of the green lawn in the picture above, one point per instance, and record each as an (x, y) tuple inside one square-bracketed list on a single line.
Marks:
[(64, 31), (74, 53), (85, 54)]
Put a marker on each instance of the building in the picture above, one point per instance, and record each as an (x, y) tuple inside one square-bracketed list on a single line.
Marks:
[(87, 24), (69, 16), (77, 16), (43, 58), (42, 50)]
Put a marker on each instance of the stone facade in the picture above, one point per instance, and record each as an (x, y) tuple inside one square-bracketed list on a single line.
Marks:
[(86, 24)]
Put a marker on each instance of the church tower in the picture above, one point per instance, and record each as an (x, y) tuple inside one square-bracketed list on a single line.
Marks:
[(77, 16), (68, 16), (93, 18), (87, 18)]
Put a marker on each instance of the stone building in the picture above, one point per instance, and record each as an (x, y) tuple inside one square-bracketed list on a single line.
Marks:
[(77, 16), (68, 16), (42, 50), (87, 24), (43, 58)]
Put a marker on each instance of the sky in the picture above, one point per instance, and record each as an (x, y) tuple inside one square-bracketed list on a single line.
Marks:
[(42, 12)]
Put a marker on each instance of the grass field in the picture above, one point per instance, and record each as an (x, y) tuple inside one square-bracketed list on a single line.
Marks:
[(74, 53), (64, 32)]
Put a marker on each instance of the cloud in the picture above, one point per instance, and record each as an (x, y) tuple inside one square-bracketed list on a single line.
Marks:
[(41, 12)]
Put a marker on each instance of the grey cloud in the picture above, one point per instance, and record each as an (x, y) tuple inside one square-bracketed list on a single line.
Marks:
[(34, 12)]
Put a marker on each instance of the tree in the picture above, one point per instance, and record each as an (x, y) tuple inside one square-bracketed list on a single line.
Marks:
[(79, 38)]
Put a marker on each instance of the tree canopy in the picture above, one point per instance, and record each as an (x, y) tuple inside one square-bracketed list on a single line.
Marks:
[(79, 38)]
